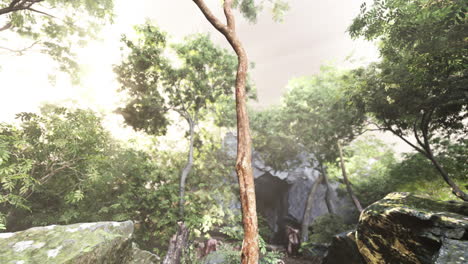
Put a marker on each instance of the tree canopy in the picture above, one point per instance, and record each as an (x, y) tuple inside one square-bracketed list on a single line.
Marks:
[(56, 26), (419, 89)]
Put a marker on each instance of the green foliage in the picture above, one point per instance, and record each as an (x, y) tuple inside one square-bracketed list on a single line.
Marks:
[(236, 233), (374, 170), (422, 77), (250, 9), (61, 167), (320, 112), (368, 163), (417, 175), (419, 89), (49, 160), (57, 25), (324, 227), (157, 85), (272, 139)]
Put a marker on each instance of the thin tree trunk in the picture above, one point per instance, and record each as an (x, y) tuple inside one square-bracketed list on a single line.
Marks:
[(455, 189), (427, 152), (331, 208), (249, 254), (186, 170), (346, 180), (308, 210)]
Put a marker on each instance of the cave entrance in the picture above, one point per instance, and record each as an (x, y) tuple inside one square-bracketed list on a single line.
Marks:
[(272, 204)]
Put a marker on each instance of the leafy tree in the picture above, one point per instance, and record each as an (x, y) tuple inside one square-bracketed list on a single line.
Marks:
[(157, 88), (321, 117), (48, 161), (272, 138), (244, 145), (369, 162), (375, 171), (419, 89), (54, 25)]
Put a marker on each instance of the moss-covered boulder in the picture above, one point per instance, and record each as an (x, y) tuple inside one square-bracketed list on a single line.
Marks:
[(101, 242), (403, 228)]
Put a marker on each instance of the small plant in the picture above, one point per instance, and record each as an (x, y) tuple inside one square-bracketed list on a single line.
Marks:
[(236, 233), (325, 227)]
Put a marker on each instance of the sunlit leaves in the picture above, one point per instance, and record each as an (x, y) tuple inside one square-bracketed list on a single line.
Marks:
[(50, 155), (320, 112), (58, 25), (157, 84), (420, 85)]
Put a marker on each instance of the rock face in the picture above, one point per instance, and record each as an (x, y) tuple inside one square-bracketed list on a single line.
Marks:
[(282, 195), (403, 228), (343, 249), (101, 242)]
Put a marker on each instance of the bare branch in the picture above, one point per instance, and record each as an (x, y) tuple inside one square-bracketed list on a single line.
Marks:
[(41, 12), (6, 26), (21, 52)]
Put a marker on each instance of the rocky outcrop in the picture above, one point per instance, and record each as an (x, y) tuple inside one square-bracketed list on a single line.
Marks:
[(101, 242), (403, 228), (343, 249), (282, 194)]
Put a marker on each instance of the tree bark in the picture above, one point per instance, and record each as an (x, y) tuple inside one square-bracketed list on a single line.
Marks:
[(18, 5), (331, 208), (308, 210), (186, 170), (249, 254), (455, 189), (177, 245), (349, 189), (425, 149)]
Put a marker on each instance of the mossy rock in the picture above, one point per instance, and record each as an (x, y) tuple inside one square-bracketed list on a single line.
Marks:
[(101, 242), (404, 228)]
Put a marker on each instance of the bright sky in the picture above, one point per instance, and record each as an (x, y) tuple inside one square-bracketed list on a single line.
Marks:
[(314, 32)]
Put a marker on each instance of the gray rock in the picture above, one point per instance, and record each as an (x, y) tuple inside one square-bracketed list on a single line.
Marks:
[(281, 195), (101, 242), (404, 228), (453, 251)]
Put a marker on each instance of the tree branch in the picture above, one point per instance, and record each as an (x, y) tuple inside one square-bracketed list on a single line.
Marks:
[(18, 5), (20, 52), (40, 12), (231, 25), (6, 26), (220, 26), (389, 128)]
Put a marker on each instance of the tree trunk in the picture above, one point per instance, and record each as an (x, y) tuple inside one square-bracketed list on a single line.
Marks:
[(427, 152), (177, 245), (308, 210), (455, 189), (186, 170), (346, 180), (331, 208), (244, 170)]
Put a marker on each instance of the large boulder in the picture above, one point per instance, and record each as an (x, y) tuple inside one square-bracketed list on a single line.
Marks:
[(101, 242), (403, 228)]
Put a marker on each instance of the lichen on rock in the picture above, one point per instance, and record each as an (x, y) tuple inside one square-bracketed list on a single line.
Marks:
[(404, 228), (101, 242)]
